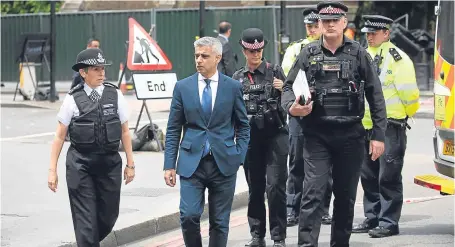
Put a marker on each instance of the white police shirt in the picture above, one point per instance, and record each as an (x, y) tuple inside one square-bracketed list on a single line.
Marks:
[(69, 109)]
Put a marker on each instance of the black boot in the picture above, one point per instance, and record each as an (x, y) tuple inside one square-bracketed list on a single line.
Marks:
[(279, 243), (292, 220), (326, 219), (382, 232), (364, 227), (256, 242)]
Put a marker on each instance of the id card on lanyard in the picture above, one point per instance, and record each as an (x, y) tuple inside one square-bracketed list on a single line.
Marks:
[(251, 78)]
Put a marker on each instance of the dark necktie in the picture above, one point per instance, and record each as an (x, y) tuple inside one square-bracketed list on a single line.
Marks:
[(207, 108), (94, 96)]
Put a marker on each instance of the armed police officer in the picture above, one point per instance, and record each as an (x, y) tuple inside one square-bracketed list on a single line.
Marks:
[(266, 162), (381, 179), (296, 162), (340, 75), (95, 114)]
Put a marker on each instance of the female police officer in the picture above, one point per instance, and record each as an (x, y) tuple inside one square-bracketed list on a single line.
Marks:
[(266, 162), (95, 114)]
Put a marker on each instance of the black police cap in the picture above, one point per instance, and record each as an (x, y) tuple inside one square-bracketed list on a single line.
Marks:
[(253, 39), (310, 15), (331, 10), (90, 57), (375, 22)]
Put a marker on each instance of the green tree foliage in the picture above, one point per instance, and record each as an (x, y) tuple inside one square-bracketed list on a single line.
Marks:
[(31, 6)]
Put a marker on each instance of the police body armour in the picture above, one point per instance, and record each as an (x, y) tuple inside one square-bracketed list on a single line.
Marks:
[(97, 129), (337, 89)]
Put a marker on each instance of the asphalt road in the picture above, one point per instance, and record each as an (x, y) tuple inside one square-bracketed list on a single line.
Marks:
[(25, 145), (427, 218), (31, 215)]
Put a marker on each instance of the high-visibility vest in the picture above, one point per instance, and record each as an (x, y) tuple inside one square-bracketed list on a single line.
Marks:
[(398, 80), (292, 52)]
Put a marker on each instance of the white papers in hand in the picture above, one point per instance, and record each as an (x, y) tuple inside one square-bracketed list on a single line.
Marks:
[(301, 87)]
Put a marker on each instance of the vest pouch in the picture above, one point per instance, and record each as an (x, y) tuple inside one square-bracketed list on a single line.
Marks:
[(336, 105), (113, 131), (82, 133)]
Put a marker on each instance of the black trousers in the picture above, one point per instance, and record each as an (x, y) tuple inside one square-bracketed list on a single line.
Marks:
[(266, 171), (340, 149), (382, 181), (192, 200), (94, 183), (294, 185)]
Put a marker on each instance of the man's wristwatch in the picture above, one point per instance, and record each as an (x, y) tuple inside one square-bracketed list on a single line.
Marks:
[(131, 167)]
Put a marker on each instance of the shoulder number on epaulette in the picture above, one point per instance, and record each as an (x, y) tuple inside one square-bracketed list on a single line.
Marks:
[(396, 56), (110, 85)]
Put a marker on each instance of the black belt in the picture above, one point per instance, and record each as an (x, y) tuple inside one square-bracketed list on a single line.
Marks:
[(402, 123)]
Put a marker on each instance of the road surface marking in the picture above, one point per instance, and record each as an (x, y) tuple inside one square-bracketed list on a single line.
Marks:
[(132, 125), (27, 136)]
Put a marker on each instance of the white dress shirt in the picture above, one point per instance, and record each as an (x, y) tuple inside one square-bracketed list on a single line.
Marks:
[(69, 109), (213, 85)]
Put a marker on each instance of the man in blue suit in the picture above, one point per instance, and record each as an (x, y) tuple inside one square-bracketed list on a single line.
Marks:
[(209, 107)]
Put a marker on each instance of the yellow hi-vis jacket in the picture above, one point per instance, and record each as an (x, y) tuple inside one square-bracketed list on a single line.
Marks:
[(292, 52), (398, 81)]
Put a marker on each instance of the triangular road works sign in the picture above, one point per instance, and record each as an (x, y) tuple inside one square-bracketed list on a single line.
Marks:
[(143, 52)]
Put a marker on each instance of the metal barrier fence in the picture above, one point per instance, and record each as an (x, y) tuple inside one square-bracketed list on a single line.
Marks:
[(176, 30)]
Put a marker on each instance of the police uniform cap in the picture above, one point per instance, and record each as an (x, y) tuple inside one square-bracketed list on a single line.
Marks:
[(331, 10), (90, 57), (310, 15), (375, 22), (253, 39)]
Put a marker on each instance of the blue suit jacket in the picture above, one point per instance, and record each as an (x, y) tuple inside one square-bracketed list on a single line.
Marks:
[(228, 121)]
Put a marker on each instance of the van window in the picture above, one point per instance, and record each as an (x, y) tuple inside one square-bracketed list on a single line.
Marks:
[(446, 31)]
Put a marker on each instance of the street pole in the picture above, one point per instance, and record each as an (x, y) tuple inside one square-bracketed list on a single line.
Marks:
[(52, 54), (284, 38), (201, 18)]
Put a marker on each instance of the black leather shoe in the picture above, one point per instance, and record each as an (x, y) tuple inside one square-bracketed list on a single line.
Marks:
[(256, 242), (364, 227), (279, 243), (326, 219), (292, 220), (382, 232)]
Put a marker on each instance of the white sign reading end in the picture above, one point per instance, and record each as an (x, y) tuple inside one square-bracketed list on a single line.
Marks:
[(154, 86)]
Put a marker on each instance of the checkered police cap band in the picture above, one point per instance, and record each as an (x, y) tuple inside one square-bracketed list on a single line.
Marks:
[(90, 61), (255, 46), (94, 61), (331, 11), (376, 24), (312, 16)]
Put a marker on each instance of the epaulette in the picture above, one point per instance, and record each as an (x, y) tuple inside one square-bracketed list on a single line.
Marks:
[(295, 42), (76, 88), (396, 56), (313, 48), (110, 85)]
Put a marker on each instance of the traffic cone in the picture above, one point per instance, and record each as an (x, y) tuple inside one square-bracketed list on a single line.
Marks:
[(123, 86)]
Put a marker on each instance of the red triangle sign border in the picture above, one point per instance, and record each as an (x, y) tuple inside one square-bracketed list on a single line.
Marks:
[(141, 67)]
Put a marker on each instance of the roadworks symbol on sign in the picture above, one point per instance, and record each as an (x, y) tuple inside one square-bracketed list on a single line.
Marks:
[(143, 52)]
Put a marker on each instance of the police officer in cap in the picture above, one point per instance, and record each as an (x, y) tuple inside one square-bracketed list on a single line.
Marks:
[(381, 179), (295, 180), (340, 75), (95, 114), (266, 162)]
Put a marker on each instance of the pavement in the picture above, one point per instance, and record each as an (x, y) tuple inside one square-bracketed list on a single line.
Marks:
[(426, 98), (426, 218), (34, 216)]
